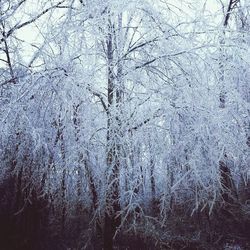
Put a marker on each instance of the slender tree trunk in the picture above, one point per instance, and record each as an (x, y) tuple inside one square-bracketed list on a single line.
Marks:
[(228, 191), (152, 182), (76, 122), (60, 139), (112, 219)]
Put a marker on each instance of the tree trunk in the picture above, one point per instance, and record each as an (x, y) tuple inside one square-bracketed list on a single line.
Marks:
[(228, 191), (114, 135)]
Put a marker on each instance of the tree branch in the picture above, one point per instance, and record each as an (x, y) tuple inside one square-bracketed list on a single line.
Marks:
[(100, 98), (139, 46), (19, 26), (232, 4), (156, 114)]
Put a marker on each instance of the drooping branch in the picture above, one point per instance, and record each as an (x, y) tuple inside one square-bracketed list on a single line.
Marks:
[(100, 98)]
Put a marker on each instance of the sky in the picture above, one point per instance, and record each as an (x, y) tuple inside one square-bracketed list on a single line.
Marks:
[(32, 38)]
